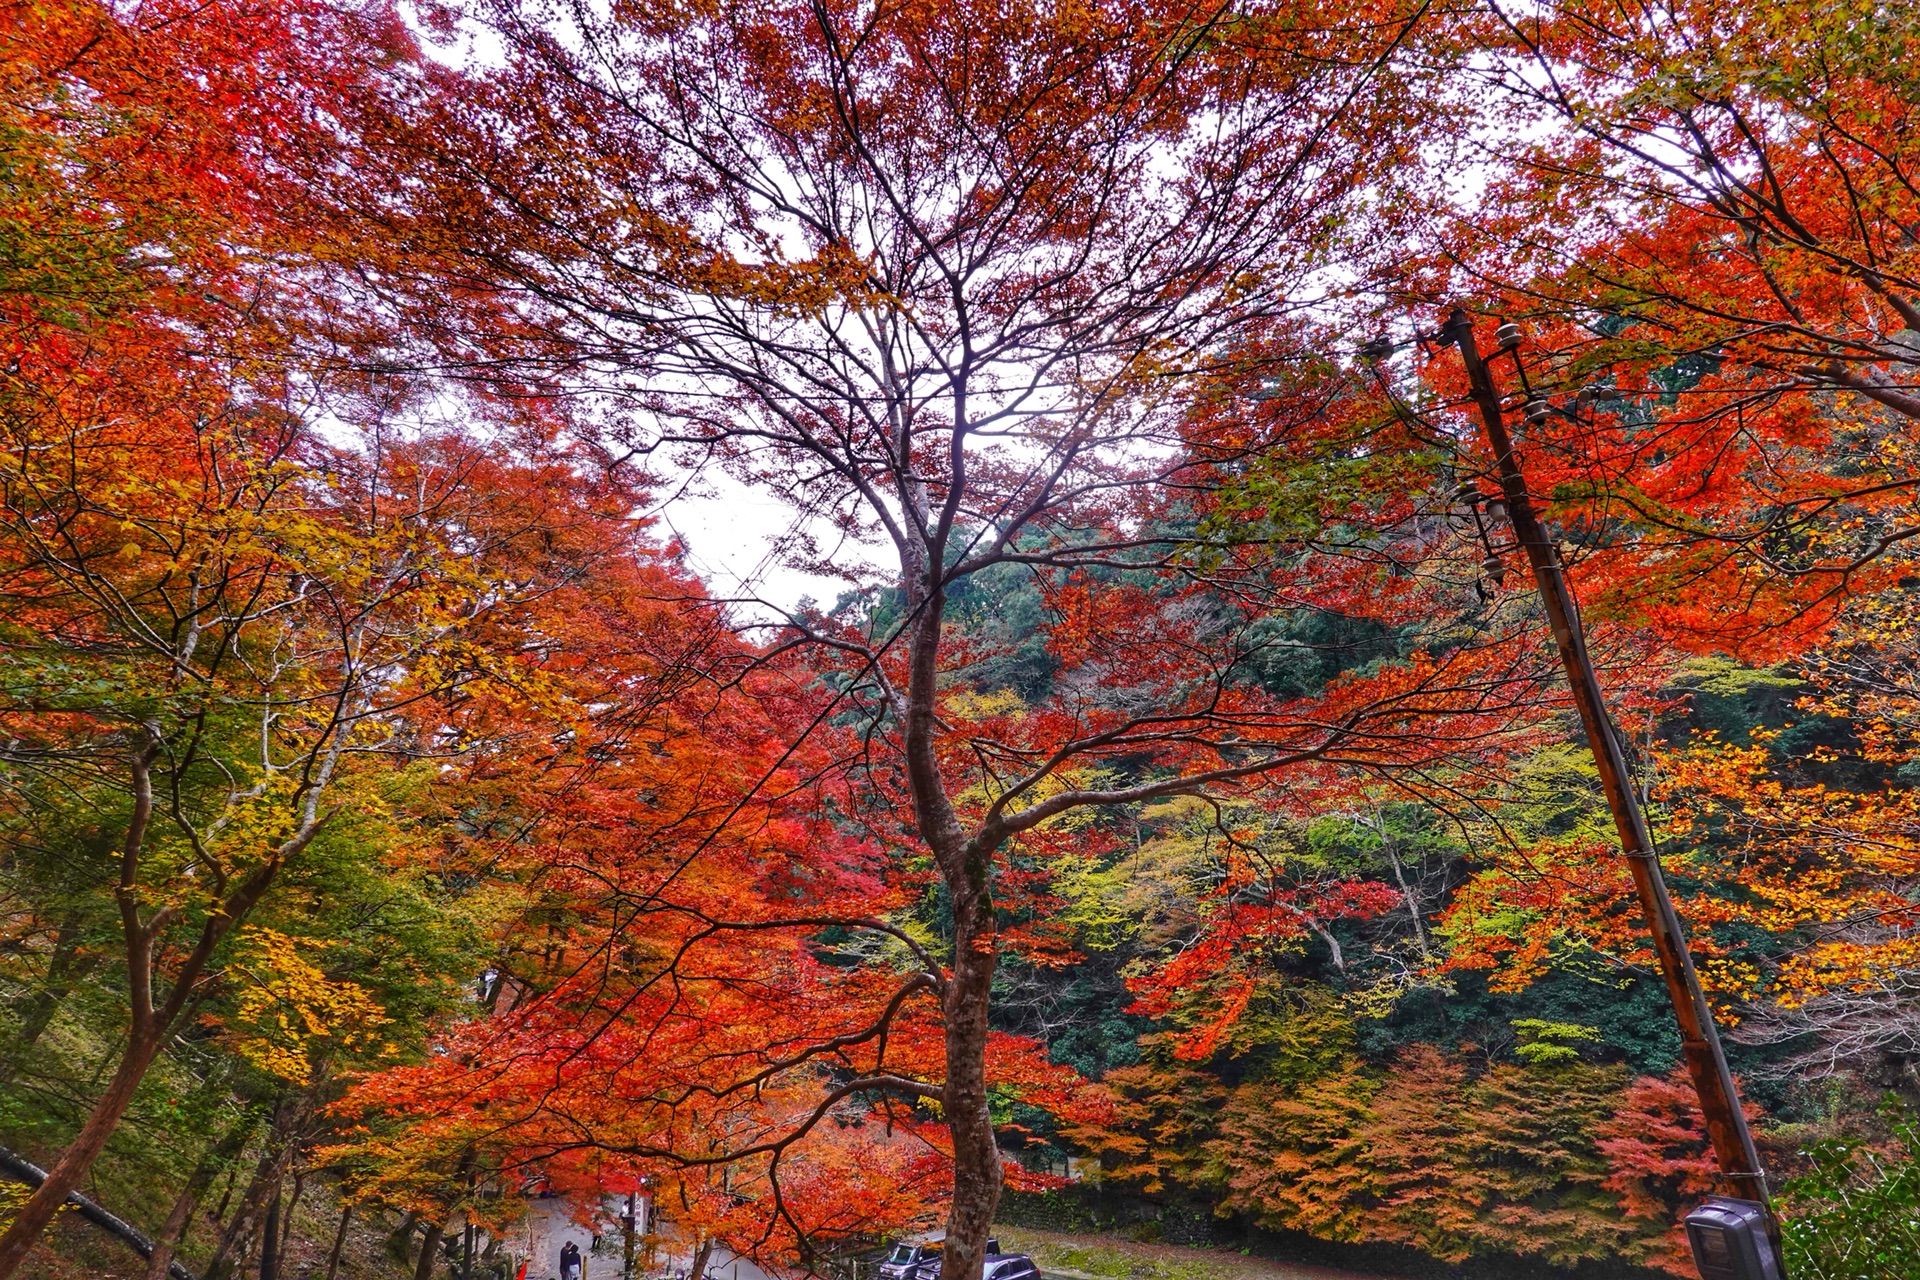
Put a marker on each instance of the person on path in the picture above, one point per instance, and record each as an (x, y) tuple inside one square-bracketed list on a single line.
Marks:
[(570, 1261)]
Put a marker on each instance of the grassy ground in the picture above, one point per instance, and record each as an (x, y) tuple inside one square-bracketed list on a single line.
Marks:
[(76, 1250), (1080, 1257)]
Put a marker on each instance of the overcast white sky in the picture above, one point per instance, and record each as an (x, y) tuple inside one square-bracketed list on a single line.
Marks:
[(730, 531)]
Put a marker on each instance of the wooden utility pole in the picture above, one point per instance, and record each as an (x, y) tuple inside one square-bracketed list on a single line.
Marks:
[(1699, 1040)]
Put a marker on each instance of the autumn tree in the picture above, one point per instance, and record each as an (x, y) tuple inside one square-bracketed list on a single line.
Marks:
[(1706, 218), (221, 627), (654, 1008), (1733, 182), (1699, 216), (951, 281), (219, 675)]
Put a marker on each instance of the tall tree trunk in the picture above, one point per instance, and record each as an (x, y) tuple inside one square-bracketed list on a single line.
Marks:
[(268, 1175), (700, 1256), (270, 1240), (293, 1203), (429, 1245), (143, 1042), (400, 1239), (238, 1227), (628, 1229), (339, 1239), (175, 1228), (219, 1214), (976, 1157), (180, 1219), (1406, 889), (966, 865)]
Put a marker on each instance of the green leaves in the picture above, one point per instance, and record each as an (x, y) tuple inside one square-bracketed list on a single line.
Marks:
[(1545, 1044), (1856, 1214)]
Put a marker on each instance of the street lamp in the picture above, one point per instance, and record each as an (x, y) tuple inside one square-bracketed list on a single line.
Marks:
[(1729, 1239)]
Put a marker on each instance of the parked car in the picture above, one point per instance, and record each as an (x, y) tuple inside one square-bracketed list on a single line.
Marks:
[(905, 1261), (921, 1261), (1009, 1266), (932, 1270)]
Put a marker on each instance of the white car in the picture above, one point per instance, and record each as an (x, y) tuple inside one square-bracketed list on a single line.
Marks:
[(1010, 1266), (922, 1261)]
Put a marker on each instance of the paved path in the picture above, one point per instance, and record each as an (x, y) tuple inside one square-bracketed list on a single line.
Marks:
[(548, 1226), (1062, 1256)]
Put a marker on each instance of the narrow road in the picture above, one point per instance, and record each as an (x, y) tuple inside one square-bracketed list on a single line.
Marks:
[(1062, 1255)]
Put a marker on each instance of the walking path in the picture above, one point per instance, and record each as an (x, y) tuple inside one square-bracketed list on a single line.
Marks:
[(1061, 1255)]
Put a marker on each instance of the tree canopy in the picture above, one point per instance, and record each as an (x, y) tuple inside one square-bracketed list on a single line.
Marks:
[(1183, 802)]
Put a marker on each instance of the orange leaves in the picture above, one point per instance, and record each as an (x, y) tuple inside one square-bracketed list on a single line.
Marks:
[(1795, 873), (1225, 959), (1733, 447), (1018, 1067), (1157, 1119), (697, 981), (1558, 1163), (1200, 1044), (1520, 914), (1832, 869)]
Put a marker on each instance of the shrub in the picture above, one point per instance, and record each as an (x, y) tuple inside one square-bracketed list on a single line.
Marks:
[(1856, 1214)]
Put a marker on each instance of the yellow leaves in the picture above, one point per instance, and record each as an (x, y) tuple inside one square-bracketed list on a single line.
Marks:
[(968, 707), (1725, 678), (1847, 965), (1099, 903), (258, 821), (1828, 872), (515, 685), (287, 1005)]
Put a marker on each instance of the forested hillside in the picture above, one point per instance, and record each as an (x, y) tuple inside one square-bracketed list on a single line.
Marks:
[(1297, 484)]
